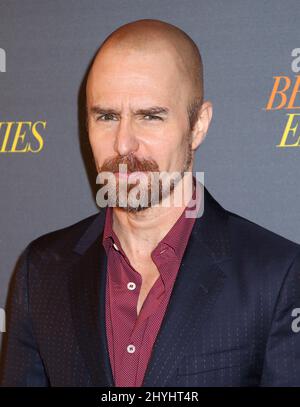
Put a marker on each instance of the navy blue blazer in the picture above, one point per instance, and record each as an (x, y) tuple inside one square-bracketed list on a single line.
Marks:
[(231, 319)]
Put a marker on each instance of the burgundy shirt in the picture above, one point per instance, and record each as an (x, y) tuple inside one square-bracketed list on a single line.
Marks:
[(130, 336)]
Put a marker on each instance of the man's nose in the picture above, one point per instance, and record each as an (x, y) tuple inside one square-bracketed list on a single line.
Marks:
[(125, 141)]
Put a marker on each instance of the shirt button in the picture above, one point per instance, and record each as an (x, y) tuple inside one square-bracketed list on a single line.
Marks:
[(130, 348), (115, 246), (131, 286)]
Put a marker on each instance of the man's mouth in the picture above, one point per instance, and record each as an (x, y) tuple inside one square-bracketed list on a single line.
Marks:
[(133, 175)]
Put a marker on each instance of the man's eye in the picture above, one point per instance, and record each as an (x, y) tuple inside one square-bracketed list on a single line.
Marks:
[(152, 117), (105, 117)]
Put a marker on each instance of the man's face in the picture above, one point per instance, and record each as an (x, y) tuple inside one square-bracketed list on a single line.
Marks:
[(123, 89)]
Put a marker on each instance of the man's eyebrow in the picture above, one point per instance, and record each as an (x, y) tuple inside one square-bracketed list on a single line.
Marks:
[(149, 110), (153, 110)]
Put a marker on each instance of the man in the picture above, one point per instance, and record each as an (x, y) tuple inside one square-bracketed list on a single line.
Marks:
[(139, 295)]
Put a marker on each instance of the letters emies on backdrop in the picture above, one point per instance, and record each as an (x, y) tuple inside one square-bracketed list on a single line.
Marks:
[(21, 136)]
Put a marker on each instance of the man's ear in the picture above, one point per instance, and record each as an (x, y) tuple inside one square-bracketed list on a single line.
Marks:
[(202, 124)]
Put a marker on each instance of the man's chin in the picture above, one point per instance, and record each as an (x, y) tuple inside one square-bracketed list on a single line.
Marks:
[(130, 208), (137, 205)]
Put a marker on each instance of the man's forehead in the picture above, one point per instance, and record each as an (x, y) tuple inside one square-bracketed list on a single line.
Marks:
[(124, 76), (112, 59), (117, 97), (134, 73)]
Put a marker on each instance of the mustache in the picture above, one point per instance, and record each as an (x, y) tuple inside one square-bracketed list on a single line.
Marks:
[(132, 162)]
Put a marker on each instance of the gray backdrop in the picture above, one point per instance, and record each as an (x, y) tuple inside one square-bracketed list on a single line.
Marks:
[(45, 50)]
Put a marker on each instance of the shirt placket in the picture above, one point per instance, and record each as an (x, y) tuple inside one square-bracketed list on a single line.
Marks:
[(128, 287), (128, 294)]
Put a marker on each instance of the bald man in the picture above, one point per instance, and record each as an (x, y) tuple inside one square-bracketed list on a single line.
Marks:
[(142, 293)]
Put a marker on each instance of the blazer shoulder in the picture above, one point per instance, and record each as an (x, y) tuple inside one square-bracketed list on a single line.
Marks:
[(63, 239), (251, 236)]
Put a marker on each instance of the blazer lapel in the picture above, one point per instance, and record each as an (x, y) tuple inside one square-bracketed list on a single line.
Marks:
[(88, 302), (199, 280)]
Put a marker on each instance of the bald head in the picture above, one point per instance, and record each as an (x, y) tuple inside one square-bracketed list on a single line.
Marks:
[(153, 36)]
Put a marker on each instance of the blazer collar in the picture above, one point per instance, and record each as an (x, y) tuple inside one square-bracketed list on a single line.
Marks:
[(200, 279)]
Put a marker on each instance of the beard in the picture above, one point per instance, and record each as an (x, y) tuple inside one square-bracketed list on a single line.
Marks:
[(144, 187)]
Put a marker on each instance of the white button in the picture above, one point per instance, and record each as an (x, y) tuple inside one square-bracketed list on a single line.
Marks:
[(131, 285), (130, 348), (115, 246)]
